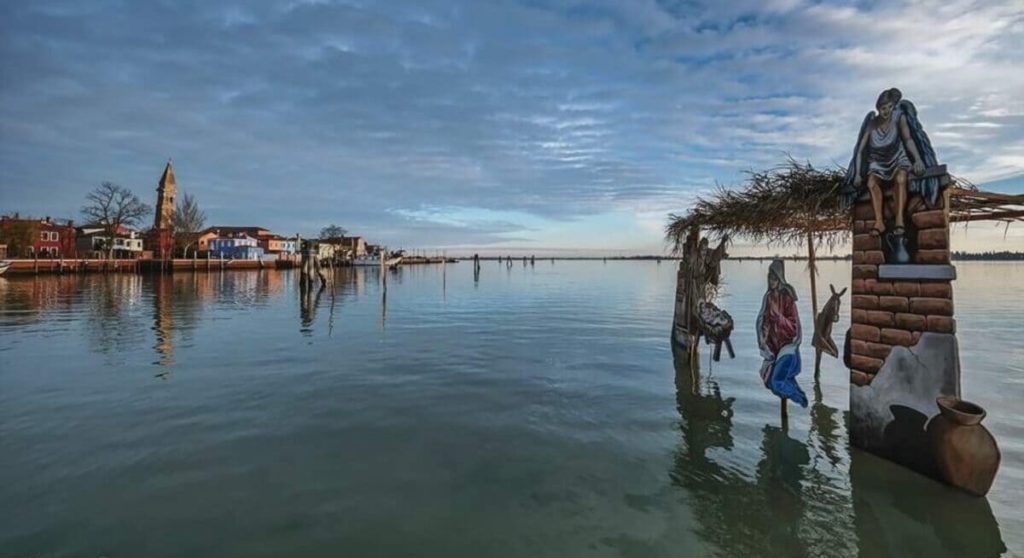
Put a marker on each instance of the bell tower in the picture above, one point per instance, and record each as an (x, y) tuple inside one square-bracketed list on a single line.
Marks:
[(166, 190), (160, 240)]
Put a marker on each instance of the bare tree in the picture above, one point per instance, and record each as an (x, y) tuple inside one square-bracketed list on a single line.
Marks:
[(188, 221), (332, 232), (113, 207)]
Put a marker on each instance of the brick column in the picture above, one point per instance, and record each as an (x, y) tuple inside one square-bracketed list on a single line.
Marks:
[(903, 351)]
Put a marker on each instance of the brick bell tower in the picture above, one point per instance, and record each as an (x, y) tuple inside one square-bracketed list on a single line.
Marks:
[(160, 239)]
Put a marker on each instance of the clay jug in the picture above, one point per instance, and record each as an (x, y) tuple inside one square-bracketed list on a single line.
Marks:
[(965, 451), (898, 253)]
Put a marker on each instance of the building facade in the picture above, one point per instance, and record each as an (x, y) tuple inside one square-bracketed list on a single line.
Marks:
[(355, 246), (210, 233), (93, 241), (277, 244), (37, 238), (235, 247)]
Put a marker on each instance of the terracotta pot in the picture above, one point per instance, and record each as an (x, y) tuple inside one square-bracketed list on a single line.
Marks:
[(965, 451)]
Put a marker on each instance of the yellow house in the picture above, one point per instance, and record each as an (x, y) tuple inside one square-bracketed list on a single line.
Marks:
[(354, 245), (325, 251)]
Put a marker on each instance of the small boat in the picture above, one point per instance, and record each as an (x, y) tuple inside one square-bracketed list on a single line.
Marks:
[(366, 261), (4, 266), (390, 260), (394, 259)]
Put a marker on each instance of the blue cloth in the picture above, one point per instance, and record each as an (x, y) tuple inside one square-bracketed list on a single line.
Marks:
[(782, 381)]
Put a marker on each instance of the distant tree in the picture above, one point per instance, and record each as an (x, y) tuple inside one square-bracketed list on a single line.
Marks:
[(189, 220), (113, 207), (332, 232), (18, 235)]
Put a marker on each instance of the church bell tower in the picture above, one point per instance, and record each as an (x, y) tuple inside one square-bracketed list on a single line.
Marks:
[(160, 239)]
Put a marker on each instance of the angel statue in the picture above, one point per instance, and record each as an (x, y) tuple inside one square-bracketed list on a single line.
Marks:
[(893, 151)]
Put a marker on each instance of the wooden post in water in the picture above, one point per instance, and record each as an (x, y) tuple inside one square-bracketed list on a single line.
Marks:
[(812, 267)]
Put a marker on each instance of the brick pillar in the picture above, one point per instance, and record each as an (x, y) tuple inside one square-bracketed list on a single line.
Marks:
[(903, 349)]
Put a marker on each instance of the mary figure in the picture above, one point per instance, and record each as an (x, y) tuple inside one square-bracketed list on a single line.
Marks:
[(778, 336)]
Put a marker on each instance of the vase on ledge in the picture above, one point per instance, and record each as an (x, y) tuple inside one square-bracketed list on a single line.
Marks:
[(965, 451)]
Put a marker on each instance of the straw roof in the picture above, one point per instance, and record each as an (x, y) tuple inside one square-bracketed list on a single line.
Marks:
[(782, 205), (777, 206), (970, 204)]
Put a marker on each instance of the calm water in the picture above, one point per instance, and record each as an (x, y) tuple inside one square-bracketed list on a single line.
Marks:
[(538, 412)]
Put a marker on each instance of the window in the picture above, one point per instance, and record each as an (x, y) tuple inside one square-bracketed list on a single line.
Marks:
[(45, 235)]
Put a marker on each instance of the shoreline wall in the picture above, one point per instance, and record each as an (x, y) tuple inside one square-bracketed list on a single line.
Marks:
[(56, 266)]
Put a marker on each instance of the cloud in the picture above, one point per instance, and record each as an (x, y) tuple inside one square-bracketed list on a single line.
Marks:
[(526, 114)]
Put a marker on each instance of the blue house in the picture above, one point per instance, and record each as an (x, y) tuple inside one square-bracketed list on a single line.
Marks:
[(235, 247)]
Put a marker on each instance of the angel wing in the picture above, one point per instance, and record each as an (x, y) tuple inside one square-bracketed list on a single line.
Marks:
[(929, 187), (849, 192)]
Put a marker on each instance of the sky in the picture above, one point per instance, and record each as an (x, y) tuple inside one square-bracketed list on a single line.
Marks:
[(519, 126)]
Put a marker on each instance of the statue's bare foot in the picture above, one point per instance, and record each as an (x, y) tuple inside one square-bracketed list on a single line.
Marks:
[(898, 230), (877, 229)]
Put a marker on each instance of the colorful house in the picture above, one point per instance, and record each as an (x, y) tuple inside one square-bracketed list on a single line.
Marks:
[(43, 238), (277, 244), (93, 241), (210, 233), (238, 246)]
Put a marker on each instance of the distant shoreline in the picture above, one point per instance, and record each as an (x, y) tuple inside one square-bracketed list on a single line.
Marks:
[(956, 256)]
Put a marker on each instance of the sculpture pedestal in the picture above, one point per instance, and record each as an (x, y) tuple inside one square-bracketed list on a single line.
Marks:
[(903, 346)]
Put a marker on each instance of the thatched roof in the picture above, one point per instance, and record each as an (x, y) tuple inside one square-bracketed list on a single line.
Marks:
[(777, 206), (970, 204), (781, 206)]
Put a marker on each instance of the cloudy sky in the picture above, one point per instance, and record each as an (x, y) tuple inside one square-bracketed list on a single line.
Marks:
[(487, 125)]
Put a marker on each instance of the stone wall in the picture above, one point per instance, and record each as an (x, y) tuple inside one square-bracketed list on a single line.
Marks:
[(889, 312)]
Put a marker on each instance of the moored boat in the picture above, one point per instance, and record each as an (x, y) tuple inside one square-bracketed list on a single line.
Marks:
[(366, 261)]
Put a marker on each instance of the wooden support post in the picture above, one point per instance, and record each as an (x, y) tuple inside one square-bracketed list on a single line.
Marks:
[(812, 267)]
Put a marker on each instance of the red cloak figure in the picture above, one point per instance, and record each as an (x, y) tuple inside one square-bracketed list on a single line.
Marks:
[(778, 336)]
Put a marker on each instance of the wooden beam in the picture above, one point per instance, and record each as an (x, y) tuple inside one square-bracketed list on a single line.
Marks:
[(987, 216), (988, 196)]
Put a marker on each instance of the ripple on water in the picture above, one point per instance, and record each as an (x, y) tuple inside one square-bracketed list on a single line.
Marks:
[(539, 411)]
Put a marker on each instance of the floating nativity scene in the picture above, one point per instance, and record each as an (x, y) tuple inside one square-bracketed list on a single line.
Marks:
[(896, 201)]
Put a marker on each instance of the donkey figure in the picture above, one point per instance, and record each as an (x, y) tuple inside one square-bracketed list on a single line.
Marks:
[(823, 324)]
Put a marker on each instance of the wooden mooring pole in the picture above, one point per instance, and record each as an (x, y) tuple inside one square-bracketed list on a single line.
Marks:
[(812, 267)]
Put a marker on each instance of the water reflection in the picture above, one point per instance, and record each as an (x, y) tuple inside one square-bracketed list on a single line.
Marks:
[(309, 302), (813, 498), (163, 317), (340, 282), (738, 513), (114, 323)]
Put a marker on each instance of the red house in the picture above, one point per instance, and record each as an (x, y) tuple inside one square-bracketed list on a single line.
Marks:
[(43, 238)]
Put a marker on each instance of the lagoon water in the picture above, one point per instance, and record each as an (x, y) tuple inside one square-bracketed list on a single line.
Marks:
[(536, 412)]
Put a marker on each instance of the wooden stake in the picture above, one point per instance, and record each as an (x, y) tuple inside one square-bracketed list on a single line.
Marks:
[(813, 267)]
